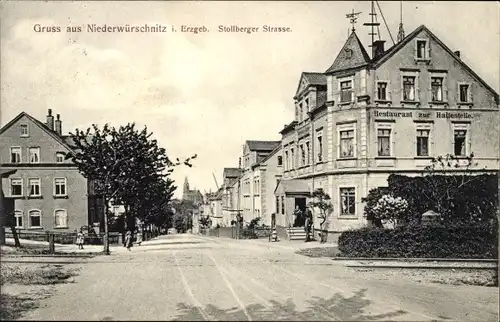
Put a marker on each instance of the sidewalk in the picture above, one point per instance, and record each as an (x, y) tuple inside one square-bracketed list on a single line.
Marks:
[(66, 248)]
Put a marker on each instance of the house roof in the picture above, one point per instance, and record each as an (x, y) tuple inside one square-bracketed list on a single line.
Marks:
[(231, 172), (262, 145), (352, 55), (59, 138), (314, 78), (273, 152), (294, 186), (394, 49)]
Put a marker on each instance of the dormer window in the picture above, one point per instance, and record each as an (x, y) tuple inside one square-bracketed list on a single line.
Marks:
[(422, 49), (24, 130), (348, 53)]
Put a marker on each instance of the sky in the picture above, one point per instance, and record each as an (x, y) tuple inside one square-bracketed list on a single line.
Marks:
[(203, 93)]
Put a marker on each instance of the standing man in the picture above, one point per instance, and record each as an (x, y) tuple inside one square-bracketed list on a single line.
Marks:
[(239, 222), (308, 224)]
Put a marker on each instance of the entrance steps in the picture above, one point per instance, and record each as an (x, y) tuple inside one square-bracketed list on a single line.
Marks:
[(297, 233)]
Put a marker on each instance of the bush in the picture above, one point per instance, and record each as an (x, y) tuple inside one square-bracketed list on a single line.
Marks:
[(421, 242)]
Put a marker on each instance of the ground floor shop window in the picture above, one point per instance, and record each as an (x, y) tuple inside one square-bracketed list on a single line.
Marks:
[(347, 201)]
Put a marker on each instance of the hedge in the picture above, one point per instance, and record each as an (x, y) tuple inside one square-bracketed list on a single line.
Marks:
[(421, 242)]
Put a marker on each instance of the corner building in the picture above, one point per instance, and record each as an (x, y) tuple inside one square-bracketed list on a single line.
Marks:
[(366, 118)]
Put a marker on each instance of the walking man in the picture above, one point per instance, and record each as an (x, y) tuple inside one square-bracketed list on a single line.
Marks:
[(309, 224)]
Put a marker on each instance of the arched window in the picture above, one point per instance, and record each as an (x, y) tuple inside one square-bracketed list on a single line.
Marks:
[(18, 215), (61, 218), (35, 218)]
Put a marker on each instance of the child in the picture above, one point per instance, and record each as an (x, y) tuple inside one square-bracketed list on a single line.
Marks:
[(80, 239), (128, 240)]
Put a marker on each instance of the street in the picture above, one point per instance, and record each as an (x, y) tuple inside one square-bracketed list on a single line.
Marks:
[(186, 277)]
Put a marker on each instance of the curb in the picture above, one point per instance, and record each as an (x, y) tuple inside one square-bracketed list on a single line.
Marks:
[(424, 267), (8, 256), (465, 260)]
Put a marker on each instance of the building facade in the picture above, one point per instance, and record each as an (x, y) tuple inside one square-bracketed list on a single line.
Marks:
[(229, 195), (368, 117), (254, 178), (49, 192), (192, 195)]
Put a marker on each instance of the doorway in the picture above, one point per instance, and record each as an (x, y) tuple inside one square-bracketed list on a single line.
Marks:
[(299, 221)]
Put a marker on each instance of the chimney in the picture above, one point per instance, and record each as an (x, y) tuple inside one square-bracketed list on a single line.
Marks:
[(457, 53), (50, 120), (58, 125), (378, 48)]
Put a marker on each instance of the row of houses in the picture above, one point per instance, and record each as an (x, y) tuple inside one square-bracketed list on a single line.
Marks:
[(361, 120)]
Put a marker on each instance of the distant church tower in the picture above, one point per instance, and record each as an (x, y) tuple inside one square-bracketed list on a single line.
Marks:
[(186, 189)]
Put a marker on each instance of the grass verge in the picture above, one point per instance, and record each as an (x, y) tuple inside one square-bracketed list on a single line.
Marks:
[(24, 285), (319, 252)]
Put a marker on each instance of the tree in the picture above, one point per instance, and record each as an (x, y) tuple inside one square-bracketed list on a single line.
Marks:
[(448, 181), (391, 210), (122, 165), (321, 200)]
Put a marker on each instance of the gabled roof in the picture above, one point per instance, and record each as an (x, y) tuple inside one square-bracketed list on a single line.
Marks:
[(231, 172), (262, 145), (358, 55), (394, 49), (273, 152), (61, 139), (310, 79)]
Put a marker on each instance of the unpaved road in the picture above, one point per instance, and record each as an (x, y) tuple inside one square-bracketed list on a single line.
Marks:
[(187, 277)]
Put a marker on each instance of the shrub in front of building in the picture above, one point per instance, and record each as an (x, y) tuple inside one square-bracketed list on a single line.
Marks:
[(466, 199), (437, 241)]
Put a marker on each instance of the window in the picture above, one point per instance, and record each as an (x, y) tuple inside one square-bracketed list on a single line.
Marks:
[(347, 144), (18, 215), (24, 130), (346, 91), (460, 137), (384, 142), (16, 187), (34, 186), (34, 155), (287, 161), (308, 159), (277, 205), (437, 89), (280, 160), (61, 218), (408, 88), (301, 111), (347, 201), (282, 205), (319, 139), (303, 154), (463, 90), (422, 142), (292, 155), (35, 219), (15, 155), (422, 49), (60, 157), (60, 187), (382, 91)]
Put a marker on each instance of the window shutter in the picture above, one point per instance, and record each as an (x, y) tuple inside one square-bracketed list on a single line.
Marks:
[(338, 145), (445, 89), (415, 49), (401, 89), (469, 141), (393, 143), (389, 91), (428, 53), (429, 88), (458, 93), (355, 145), (471, 93), (376, 141), (417, 88), (330, 88), (431, 140)]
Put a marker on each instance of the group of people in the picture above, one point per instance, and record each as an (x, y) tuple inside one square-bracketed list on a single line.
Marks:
[(129, 239), (128, 242), (305, 219)]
